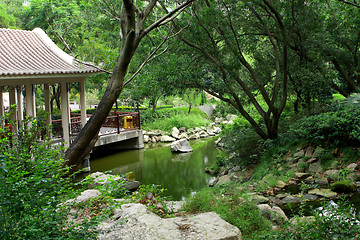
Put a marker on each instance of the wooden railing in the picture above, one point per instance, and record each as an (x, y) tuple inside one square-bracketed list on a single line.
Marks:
[(118, 121)]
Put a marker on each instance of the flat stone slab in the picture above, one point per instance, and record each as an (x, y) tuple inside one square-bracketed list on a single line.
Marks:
[(323, 192), (133, 221)]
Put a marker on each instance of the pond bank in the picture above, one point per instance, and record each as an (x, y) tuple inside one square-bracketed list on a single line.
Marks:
[(181, 174)]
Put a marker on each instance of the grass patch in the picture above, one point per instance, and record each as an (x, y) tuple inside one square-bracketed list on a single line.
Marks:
[(166, 119), (225, 202)]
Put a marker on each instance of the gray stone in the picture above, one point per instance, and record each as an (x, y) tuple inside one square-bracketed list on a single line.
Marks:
[(272, 213), (87, 195), (219, 120), (137, 223), (310, 197), (299, 154), (231, 117), (146, 138), (182, 130), (256, 199), (300, 175), (352, 167), (203, 134), (332, 173), (181, 146), (280, 184), (154, 139), (194, 136), (305, 219), (323, 192), (315, 167), (345, 186), (291, 199), (99, 179), (309, 152), (183, 135), (175, 132), (224, 179), (166, 138), (317, 152)]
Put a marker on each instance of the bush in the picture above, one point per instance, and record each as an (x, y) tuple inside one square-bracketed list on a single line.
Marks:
[(33, 183), (331, 222), (242, 140), (340, 126)]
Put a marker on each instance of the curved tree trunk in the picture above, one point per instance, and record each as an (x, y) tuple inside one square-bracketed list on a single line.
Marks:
[(132, 31)]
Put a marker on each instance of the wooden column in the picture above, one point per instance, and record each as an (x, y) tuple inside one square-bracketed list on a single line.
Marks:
[(47, 108), (2, 112), (65, 114), (20, 104), (83, 103)]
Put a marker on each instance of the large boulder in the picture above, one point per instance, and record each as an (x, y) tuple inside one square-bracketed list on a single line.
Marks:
[(134, 221), (181, 146)]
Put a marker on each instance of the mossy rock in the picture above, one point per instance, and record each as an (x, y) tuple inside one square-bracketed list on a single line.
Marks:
[(346, 186)]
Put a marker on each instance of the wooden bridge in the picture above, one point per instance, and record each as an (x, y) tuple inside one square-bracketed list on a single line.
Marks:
[(120, 130)]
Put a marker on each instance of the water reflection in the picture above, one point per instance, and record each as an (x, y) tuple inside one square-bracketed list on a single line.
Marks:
[(181, 174)]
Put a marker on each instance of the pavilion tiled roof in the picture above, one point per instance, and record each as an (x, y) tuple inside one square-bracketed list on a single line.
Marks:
[(33, 53)]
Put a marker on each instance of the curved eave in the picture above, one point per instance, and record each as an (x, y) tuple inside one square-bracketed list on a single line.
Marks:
[(8, 80)]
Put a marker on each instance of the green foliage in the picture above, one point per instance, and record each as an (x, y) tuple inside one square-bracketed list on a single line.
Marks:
[(242, 140), (166, 119), (6, 20), (331, 222), (33, 183), (153, 197), (243, 215), (339, 126)]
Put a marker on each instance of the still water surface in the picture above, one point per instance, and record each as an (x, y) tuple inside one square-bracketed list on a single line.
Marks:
[(181, 174)]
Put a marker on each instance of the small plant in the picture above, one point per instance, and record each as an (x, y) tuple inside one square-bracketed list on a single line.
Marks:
[(151, 196)]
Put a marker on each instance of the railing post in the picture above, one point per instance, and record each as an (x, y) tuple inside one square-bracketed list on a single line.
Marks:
[(118, 123), (139, 120)]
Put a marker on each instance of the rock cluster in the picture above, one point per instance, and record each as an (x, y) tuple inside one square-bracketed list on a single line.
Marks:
[(308, 182), (182, 133)]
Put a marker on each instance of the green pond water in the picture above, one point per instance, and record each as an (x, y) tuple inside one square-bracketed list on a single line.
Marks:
[(181, 174)]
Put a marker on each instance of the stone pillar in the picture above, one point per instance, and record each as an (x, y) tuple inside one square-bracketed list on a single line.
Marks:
[(82, 103), (47, 108), (33, 101), (29, 100), (2, 112), (65, 114), (20, 104)]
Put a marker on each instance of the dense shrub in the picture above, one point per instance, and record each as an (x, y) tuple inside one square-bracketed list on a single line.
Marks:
[(32, 185), (242, 140), (339, 126)]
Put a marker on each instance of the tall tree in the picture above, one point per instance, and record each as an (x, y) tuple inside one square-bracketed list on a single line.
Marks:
[(136, 21), (242, 56)]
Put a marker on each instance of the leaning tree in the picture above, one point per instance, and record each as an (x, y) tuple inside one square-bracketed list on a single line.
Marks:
[(137, 19)]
